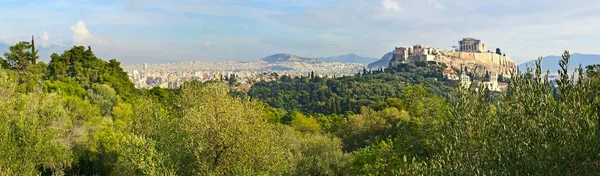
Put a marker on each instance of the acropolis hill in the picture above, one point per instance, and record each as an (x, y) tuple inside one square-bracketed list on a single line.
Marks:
[(470, 54)]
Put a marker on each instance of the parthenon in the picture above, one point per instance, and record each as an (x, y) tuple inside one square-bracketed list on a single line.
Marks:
[(471, 45), (472, 52)]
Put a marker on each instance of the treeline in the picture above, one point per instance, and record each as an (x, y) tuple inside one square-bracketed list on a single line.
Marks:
[(324, 95), (538, 127), (80, 115)]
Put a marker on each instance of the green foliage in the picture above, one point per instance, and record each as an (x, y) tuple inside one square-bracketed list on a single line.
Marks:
[(40, 130), (417, 128), (302, 123), (20, 56), (77, 116), (104, 96), (338, 95), (85, 68), (67, 87), (380, 159), (138, 156), (80, 115), (534, 129), (123, 116), (230, 137), (321, 155)]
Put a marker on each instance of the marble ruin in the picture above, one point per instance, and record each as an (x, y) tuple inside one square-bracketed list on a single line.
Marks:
[(471, 45), (413, 54), (471, 54)]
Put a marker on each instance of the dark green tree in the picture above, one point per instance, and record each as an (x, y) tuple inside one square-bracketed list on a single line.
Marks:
[(81, 65), (34, 52), (19, 56)]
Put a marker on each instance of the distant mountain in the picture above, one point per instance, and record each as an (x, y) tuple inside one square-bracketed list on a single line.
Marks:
[(348, 58), (551, 62), (383, 62), (284, 57)]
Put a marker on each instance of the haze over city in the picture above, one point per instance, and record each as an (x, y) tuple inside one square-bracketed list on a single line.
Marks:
[(138, 31)]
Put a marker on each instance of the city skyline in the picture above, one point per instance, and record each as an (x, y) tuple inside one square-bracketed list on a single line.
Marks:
[(138, 31)]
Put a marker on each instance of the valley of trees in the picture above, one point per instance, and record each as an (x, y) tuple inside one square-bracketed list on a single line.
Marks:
[(324, 95), (80, 115)]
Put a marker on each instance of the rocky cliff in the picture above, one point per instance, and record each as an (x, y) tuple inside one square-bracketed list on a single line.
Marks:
[(478, 62)]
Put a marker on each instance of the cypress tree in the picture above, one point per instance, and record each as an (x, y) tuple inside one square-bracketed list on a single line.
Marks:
[(33, 51)]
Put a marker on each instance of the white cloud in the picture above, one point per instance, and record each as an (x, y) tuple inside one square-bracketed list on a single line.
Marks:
[(45, 39), (373, 27), (391, 5), (82, 36), (523, 33), (436, 4)]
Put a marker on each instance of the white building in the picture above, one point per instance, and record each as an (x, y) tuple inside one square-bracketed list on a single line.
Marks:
[(413, 54)]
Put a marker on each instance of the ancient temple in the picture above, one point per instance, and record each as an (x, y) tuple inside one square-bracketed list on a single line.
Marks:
[(471, 45)]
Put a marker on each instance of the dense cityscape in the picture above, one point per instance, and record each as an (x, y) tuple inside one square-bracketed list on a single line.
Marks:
[(172, 75)]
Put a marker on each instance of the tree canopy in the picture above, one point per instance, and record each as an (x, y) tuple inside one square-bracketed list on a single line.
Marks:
[(80, 115)]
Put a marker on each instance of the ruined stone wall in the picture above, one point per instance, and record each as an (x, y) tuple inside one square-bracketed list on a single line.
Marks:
[(487, 61), (485, 58), (483, 61)]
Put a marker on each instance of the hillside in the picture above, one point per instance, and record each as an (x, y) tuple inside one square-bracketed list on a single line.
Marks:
[(383, 62), (349, 93), (551, 62), (348, 58), (284, 57)]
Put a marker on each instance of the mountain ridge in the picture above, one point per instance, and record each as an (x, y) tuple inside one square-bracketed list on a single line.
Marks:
[(551, 62), (383, 62), (346, 58), (286, 57)]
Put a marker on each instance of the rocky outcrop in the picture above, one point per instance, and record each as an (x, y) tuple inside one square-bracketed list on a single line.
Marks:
[(477, 62)]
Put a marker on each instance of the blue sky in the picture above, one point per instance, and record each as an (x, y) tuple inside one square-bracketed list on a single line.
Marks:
[(137, 31)]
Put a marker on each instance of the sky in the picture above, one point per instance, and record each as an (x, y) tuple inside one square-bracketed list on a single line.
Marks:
[(138, 31)]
